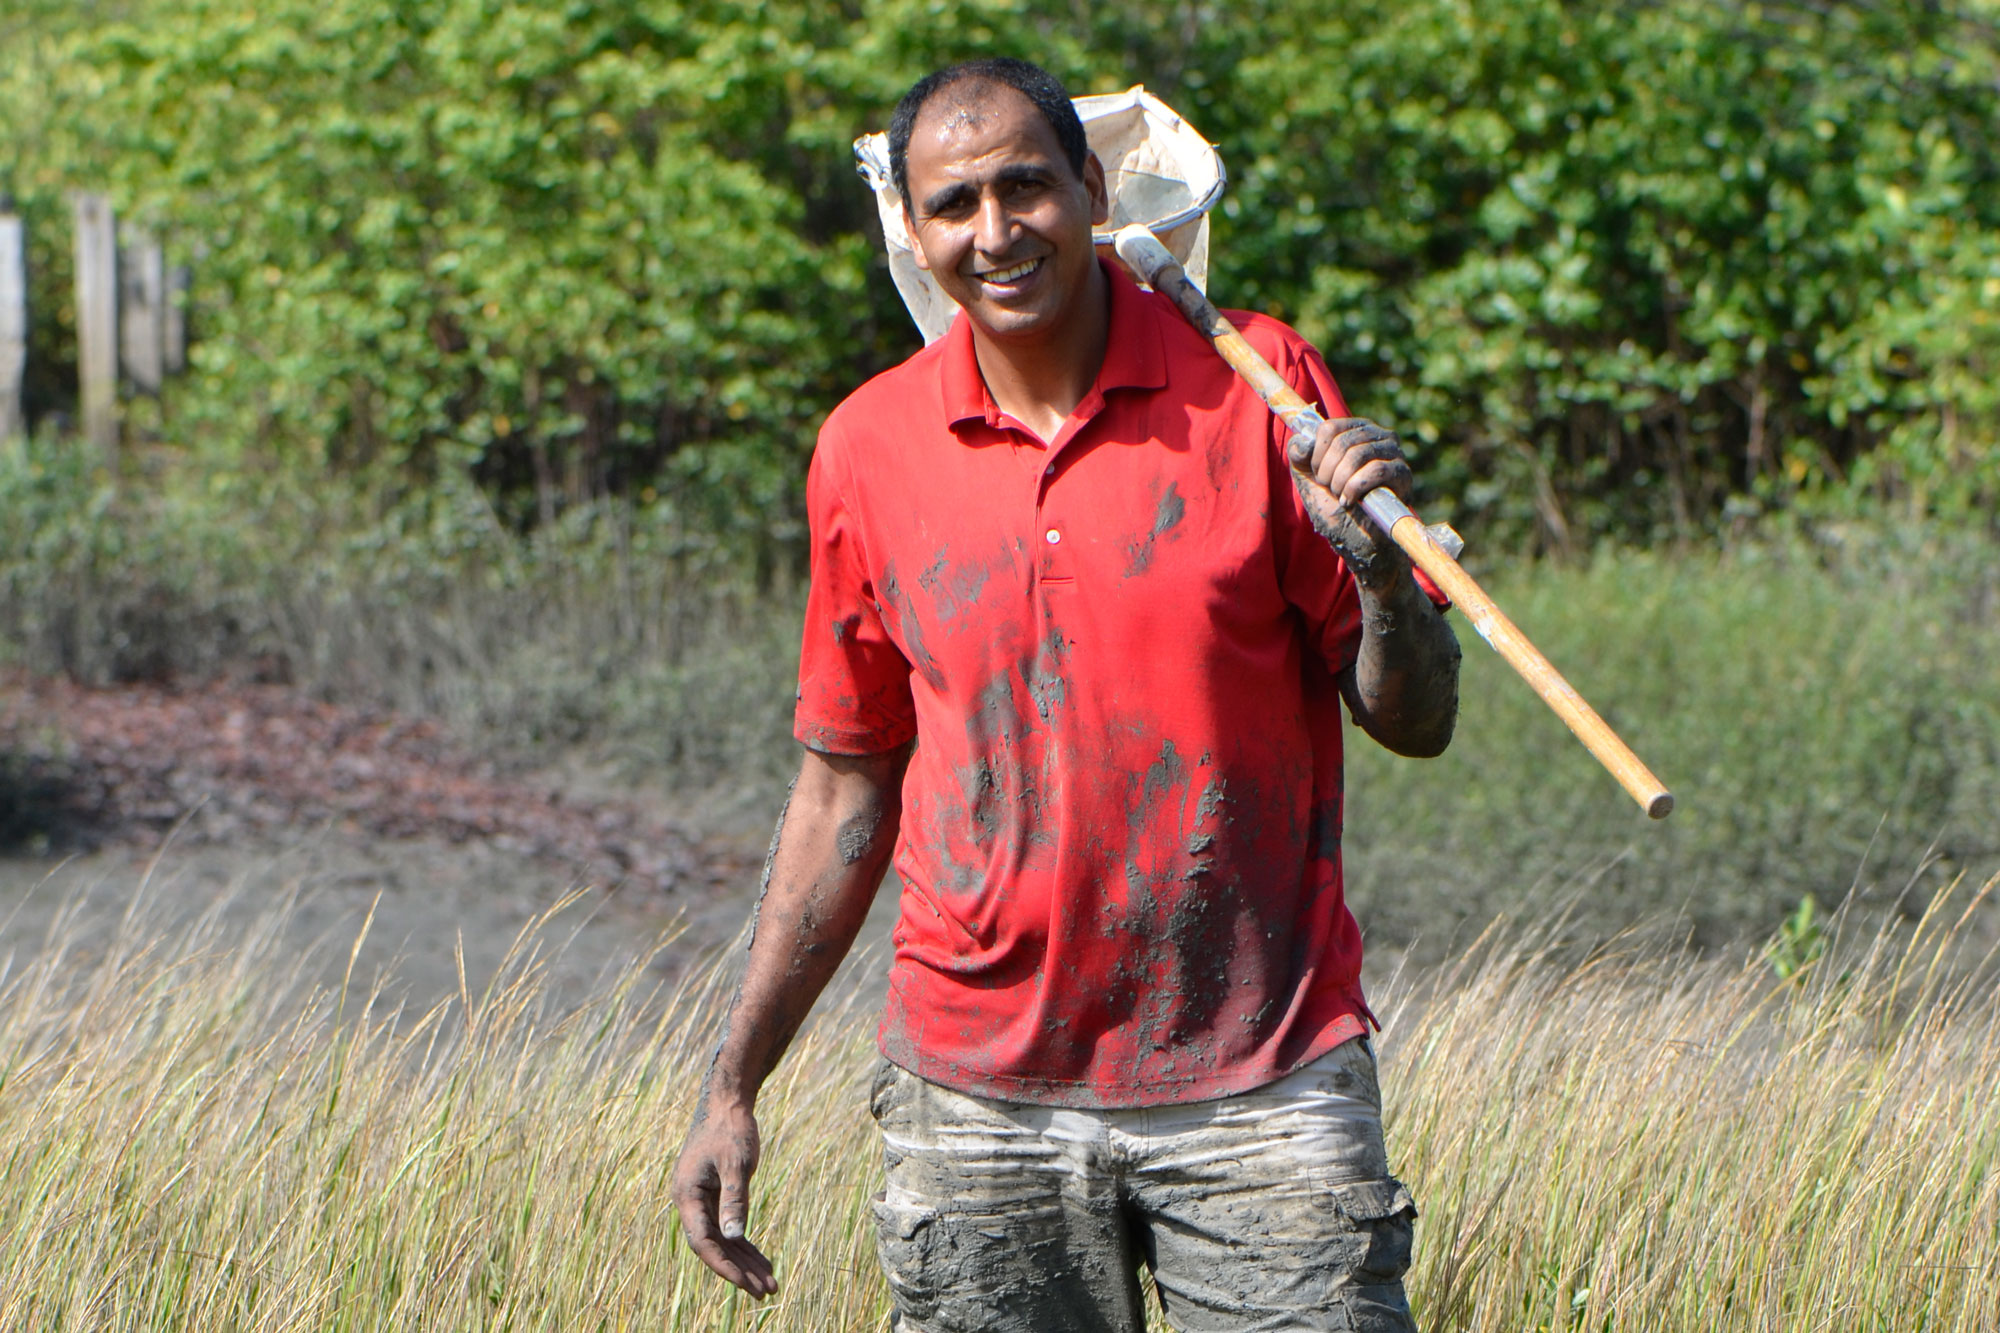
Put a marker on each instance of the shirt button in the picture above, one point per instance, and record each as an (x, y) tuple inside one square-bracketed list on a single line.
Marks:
[(1049, 471), (1053, 535)]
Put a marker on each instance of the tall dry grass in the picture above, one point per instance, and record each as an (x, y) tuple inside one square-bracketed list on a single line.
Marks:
[(1645, 1140), (197, 1132)]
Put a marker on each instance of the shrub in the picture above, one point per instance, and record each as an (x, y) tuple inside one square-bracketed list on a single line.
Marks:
[(1616, 270)]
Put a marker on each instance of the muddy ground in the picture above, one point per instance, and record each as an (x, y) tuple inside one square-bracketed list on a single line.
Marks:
[(256, 795)]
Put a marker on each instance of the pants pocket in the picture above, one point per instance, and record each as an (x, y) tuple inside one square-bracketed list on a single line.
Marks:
[(904, 1237), (1382, 1214), (882, 1089)]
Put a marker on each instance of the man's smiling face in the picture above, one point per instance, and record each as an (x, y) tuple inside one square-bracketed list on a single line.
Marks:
[(997, 214)]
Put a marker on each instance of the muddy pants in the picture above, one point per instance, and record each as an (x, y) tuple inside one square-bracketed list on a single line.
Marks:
[(1270, 1210)]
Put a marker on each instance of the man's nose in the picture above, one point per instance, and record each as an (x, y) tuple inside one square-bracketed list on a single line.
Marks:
[(994, 227)]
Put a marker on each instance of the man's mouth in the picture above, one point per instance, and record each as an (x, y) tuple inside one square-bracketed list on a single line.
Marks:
[(1000, 277)]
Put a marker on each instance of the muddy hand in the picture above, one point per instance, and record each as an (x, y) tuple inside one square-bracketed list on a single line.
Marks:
[(712, 1191), (1347, 458)]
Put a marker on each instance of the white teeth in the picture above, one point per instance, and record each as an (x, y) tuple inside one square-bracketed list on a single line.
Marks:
[(1009, 274)]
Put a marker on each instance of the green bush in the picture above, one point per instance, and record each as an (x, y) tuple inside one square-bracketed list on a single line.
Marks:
[(1616, 269), (1617, 265)]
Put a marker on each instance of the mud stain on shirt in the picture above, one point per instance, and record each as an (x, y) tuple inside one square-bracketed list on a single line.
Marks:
[(1166, 518)]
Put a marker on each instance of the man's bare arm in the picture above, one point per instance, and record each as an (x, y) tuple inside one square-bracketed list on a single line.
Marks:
[(827, 860), (1403, 688)]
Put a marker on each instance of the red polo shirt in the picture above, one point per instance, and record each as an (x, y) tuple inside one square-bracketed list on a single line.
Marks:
[(1116, 650)]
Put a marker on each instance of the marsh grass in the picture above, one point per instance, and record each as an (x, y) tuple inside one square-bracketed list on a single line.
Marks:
[(201, 1133), (1646, 1140), (199, 1136)]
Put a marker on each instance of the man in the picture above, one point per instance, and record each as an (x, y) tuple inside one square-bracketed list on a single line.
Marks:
[(1074, 655)]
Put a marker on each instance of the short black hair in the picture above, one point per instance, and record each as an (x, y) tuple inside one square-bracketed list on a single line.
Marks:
[(1033, 82)]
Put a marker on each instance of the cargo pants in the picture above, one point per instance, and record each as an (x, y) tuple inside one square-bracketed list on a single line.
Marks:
[(1270, 1210)]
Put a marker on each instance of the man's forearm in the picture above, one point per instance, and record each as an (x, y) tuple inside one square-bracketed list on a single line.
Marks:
[(827, 860), (1405, 683)]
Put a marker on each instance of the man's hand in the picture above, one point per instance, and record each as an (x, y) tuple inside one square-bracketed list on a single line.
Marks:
[(1403, 686), (712, 1191), (1347, 458)]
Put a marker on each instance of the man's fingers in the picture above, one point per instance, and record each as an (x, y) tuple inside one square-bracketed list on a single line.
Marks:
[(735, 1204), (711, 1190), (1339, 464), (757, 1279), (1352, 456), (1339, 435), (742, 1263), (738, 1262), (1339, 468), (732, 1258), (1351, 475), (1375, 474)]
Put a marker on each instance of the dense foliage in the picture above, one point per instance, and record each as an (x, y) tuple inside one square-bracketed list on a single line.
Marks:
[(1616, 268)]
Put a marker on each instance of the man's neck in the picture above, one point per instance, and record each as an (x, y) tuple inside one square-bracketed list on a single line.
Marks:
[(1040, 383)]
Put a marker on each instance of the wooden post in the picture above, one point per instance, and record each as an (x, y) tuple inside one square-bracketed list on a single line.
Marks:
[(142, 311), (97, 321), (13, 325), (175, 333)]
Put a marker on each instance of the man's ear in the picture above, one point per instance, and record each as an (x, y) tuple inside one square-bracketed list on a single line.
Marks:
[(910, 234), (1100, 194)]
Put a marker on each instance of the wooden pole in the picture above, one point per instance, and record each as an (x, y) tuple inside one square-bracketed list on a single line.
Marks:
[(1144, 254), (174, 326), (97, 321), (142, 311), (13, 326)]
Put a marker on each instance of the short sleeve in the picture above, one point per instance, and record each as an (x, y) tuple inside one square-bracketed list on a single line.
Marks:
[(854, 682)]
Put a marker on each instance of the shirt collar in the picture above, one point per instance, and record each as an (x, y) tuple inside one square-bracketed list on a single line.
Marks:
[(1134, 352)]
